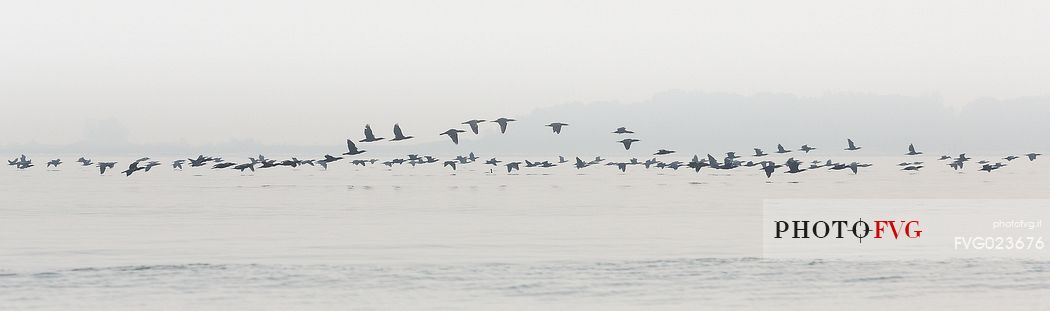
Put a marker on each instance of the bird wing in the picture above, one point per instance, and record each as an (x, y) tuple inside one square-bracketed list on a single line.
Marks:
[(397, 131), (350, 146), (368, 132)]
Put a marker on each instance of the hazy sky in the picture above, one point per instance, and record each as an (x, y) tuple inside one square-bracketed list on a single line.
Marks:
[(313, 72)]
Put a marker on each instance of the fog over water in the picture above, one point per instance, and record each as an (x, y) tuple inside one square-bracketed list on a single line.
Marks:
[(117, 80)]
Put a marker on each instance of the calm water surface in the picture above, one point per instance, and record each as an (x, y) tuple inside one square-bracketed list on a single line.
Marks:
[(423, 238)]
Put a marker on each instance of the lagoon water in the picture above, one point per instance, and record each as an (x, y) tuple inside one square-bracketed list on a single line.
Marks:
[(424, 238)]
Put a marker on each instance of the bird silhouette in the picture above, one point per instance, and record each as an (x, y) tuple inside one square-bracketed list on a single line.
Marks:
[(223, 165), (351, 149), (249, 166), (792, 165), (369, 136), (513, 166), (473, 125), (503, 124), (102, 166), (54, 163), (132, 168), (556, 126), (627, 143), (911, 150), (453, 134), (330, 159), (851, 146), (398, 135), (769, 168), (580, 164)]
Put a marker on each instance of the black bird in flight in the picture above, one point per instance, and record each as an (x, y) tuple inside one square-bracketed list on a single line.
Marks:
[(503, 124), (369, 136), (556, 126), (473, 125), (453, 134), (352, 149), (398, 135)]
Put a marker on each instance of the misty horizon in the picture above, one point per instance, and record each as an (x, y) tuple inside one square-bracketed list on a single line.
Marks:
[(200, 73), (688, 121)]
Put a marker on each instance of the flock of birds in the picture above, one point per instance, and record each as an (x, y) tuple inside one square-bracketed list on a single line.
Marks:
[(729, 161)]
